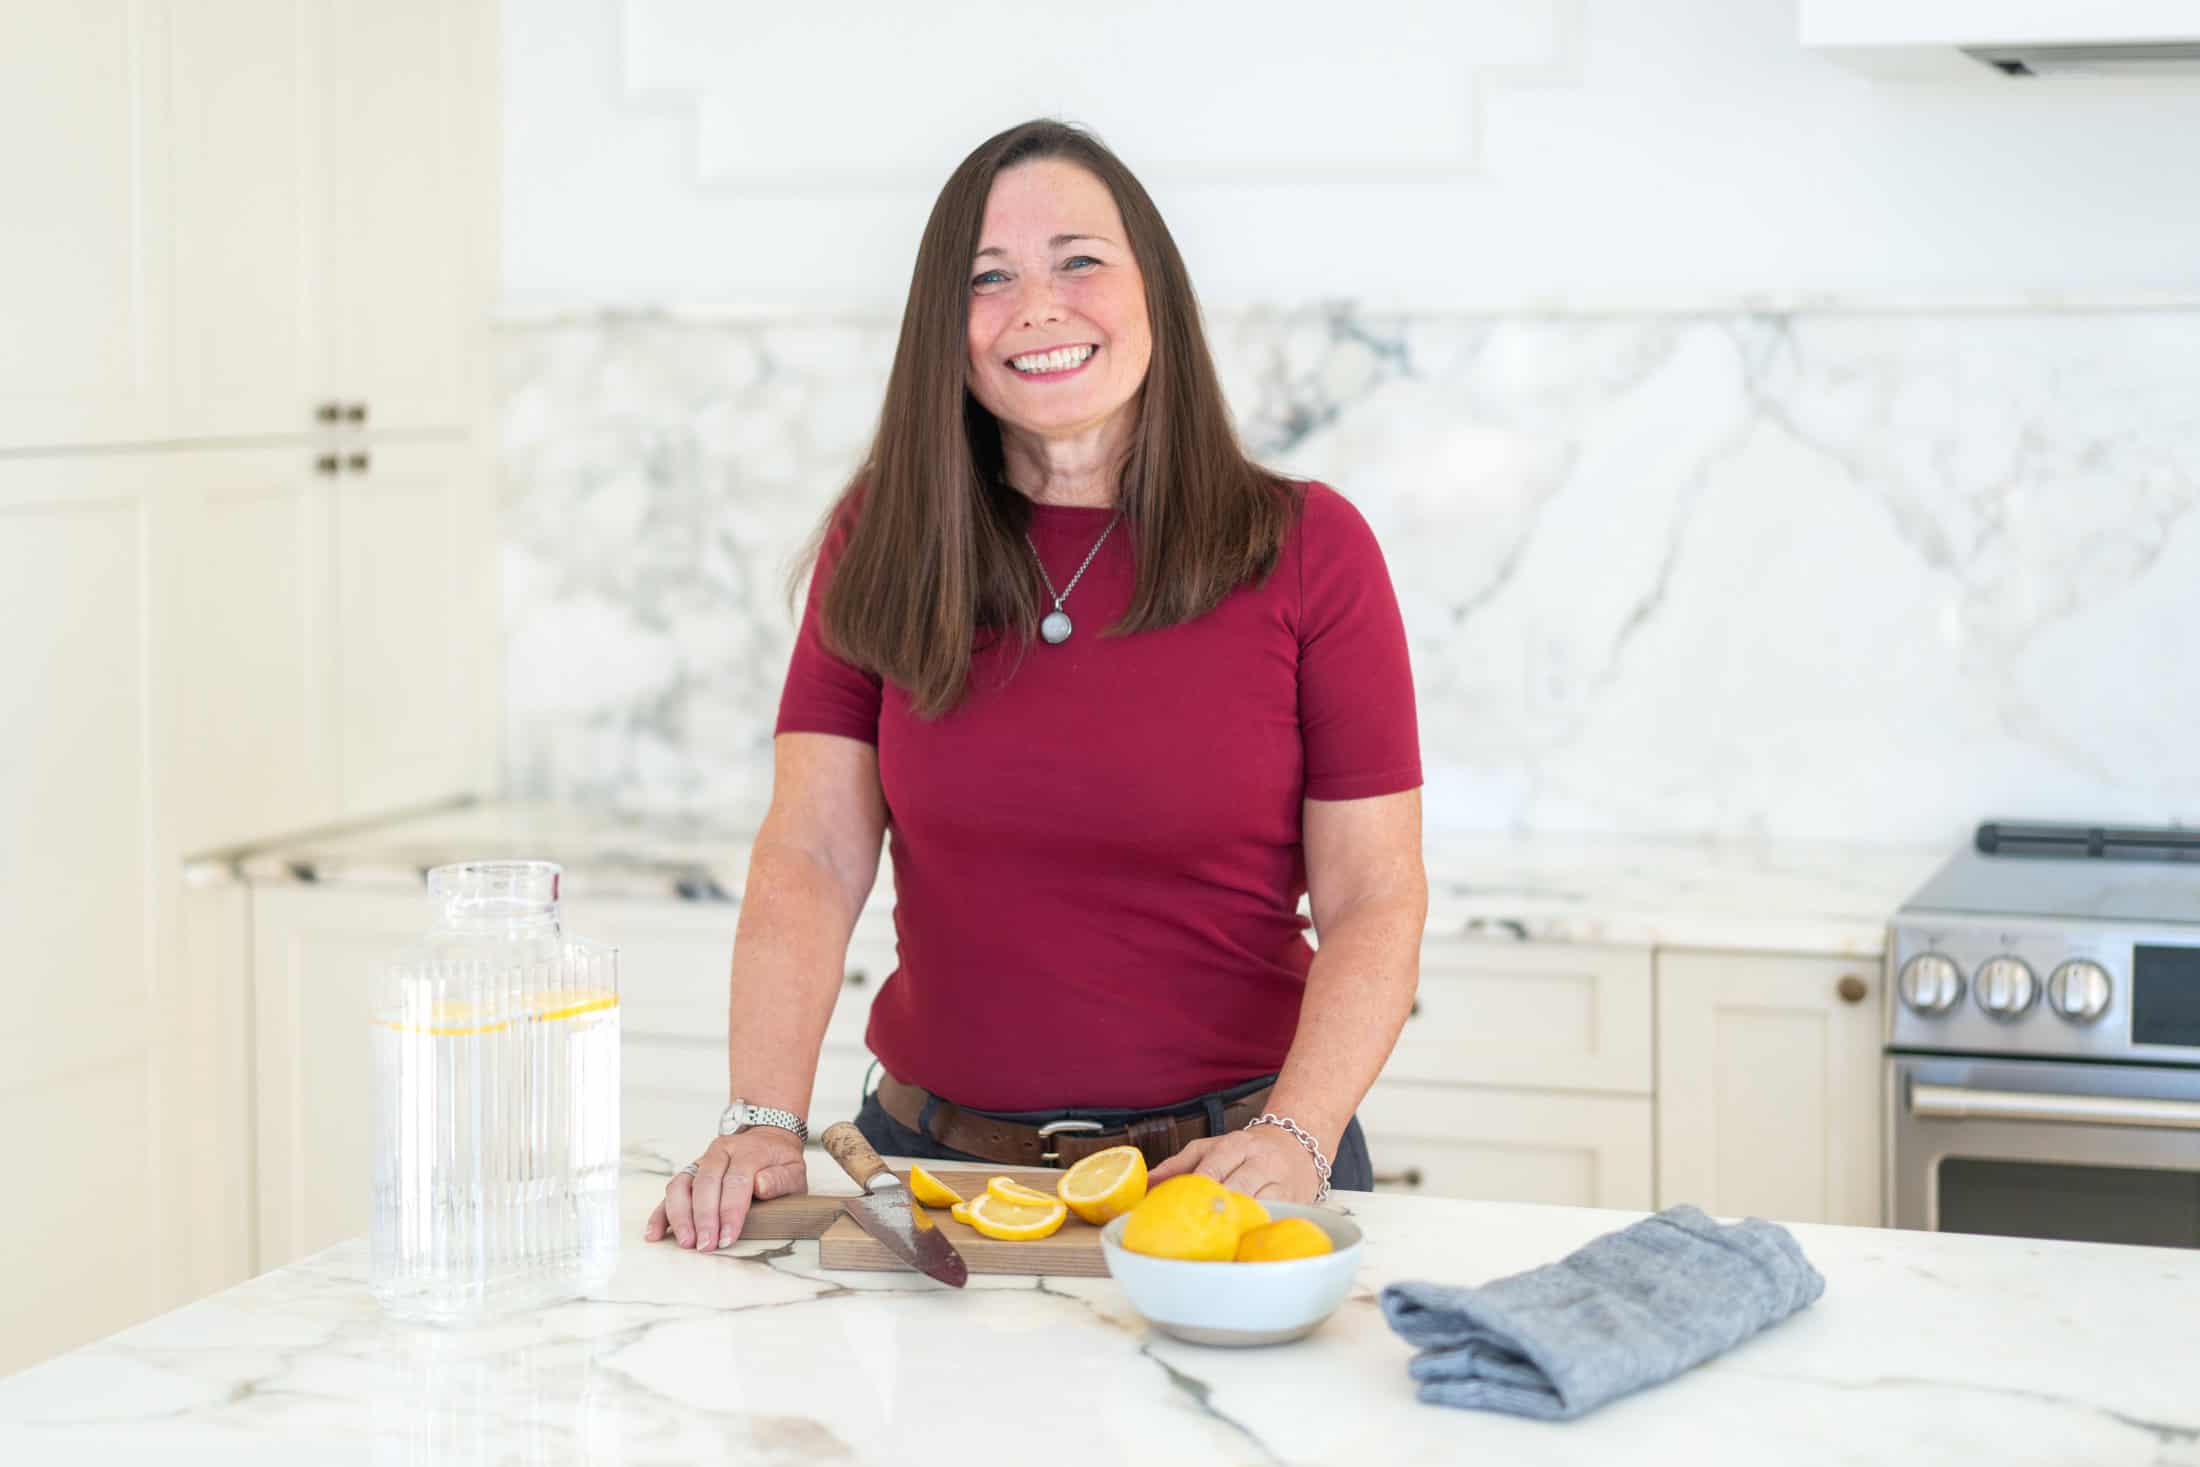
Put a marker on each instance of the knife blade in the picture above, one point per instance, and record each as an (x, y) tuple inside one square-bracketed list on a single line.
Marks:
[(888, 1213)]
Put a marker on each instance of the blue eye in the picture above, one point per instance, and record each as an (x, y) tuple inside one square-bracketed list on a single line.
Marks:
[(1069, 264)]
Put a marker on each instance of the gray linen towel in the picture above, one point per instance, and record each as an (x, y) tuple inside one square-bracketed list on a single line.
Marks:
[(1628, 1310)]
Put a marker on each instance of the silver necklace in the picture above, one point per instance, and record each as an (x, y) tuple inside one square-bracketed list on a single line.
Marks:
[(1056, 626)]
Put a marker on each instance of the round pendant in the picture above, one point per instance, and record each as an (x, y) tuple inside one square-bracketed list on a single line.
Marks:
[(1056, 627)]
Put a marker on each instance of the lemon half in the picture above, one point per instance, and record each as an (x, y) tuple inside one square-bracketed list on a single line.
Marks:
[(1105, 1184)]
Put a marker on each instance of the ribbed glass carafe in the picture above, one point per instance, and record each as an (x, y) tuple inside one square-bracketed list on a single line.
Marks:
[(496, 1103)]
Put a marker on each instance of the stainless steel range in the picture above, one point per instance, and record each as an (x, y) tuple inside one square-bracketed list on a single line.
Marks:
[(2043, 1038)]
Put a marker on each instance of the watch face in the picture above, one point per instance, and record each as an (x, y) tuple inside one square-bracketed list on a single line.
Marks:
[(735, 1117)]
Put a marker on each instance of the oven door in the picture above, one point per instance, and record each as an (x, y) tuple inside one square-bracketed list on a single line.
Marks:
[(2093, 1153)]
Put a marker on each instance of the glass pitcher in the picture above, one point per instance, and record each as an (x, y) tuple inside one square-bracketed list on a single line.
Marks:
[(496, 1103)]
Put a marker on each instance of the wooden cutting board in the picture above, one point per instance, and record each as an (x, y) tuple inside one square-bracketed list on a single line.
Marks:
[(1073, 1249)]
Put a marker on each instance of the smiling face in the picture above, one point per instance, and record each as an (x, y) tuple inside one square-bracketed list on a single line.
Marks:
[(1055, 288)]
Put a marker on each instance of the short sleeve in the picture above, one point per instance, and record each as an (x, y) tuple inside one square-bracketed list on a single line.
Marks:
[(1356, 709), (824, 692)]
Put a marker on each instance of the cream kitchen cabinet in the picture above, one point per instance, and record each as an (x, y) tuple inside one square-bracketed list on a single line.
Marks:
[(335, 213), (413, 694), (239, 618), (250, 225), (1523, 1075), (245, 214), (1551, 1016), (85, 274), (313, 952), (313, 957), (1510, 1145), (335, 635), (406, 98), (1769, 1085), (94, 1073), (254, 632)]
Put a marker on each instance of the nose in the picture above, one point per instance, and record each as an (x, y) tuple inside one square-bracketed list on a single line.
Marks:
[(1036, 304)]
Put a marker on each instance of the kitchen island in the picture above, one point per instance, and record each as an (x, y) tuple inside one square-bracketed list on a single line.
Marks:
[(1925, 1348)]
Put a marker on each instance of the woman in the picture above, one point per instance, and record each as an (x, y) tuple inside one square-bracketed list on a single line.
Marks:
[(1122, 697)]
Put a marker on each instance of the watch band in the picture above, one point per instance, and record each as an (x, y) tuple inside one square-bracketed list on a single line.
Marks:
[(741, 1115)]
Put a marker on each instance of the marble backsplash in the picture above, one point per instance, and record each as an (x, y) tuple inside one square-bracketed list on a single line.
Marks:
[(1842, 575)]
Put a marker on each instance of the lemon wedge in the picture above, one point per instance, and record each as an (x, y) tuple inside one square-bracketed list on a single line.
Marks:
[(930, 1190)]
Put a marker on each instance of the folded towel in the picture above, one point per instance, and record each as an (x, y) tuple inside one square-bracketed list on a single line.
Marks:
[(1628, 1310)]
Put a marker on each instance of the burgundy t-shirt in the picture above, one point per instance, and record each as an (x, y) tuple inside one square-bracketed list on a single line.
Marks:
[(1096, 856)]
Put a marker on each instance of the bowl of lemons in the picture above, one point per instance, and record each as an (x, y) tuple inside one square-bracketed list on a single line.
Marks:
[(1215, 1267)]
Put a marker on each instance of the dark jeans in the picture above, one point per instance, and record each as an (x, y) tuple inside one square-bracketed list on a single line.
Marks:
[(1350, 1169)]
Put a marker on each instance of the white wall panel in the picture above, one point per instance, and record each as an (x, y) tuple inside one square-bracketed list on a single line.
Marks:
[(1530, 154)]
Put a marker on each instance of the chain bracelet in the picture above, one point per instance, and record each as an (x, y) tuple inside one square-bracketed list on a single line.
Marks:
[(1313, 1148)]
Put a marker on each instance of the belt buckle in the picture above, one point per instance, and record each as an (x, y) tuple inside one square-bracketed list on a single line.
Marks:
[(1053, 1126)]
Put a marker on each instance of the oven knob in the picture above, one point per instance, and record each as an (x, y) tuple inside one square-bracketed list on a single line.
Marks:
[(2006, 987), (1931, 983), (2079, 990)]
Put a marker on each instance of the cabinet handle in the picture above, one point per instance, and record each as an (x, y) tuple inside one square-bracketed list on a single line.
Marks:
[(328, 412), (857, 978), (327, 463), (356, 413), (1852, 988), (358, 462), (1410, 1177)]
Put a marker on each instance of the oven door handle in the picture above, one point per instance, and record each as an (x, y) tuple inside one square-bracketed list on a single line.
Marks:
[(1961, 1103)]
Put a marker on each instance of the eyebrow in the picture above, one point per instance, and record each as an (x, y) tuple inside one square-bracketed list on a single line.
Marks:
[(1053, 244)]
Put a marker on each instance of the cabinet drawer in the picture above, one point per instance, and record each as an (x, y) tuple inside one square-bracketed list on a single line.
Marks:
[(1510, 1145), (1548, 1016)]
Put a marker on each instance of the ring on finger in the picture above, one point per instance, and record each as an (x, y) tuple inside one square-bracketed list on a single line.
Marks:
[(689, 1170)]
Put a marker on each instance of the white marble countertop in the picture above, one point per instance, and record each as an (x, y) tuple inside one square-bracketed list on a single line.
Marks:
[(1925, 1348), (1802, 897)]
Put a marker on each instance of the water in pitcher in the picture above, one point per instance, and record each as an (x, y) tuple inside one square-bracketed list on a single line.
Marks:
[(496, 1075)]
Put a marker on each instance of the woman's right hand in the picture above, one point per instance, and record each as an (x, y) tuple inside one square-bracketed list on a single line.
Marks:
[(706, 1211)]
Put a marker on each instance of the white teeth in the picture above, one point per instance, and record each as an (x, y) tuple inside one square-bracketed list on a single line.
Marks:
[(1052, 361)]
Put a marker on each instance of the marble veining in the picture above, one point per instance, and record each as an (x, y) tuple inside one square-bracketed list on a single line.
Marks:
[(1782, 896), (1807, 574), (1926, 1347)]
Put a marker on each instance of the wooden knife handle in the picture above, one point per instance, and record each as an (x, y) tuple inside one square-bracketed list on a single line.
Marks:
[(845, 1144)]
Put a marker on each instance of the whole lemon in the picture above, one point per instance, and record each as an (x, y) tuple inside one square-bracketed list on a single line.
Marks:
[(1192, 1217), (1291, 1237)]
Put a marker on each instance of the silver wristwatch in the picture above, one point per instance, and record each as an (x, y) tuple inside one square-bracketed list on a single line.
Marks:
[(741, 1115)]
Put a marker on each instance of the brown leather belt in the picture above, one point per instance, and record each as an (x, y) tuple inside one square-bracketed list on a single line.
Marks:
[(1059, 1143)]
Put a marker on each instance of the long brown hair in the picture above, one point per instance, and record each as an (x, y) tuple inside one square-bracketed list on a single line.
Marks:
[(935, 551)]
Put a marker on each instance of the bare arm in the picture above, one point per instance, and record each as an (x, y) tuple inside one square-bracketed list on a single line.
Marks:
[(815, 858), (1369, 892)]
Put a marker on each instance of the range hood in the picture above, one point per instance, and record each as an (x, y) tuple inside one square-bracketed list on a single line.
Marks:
[(2023, 39)]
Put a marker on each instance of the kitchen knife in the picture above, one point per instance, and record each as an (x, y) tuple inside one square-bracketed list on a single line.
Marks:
[(888, 1213)]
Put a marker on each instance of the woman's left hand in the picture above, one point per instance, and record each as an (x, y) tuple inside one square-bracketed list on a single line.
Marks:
[(1266, 1162)]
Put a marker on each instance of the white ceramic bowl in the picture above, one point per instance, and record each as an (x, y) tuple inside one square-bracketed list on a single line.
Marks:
[(1239, 1303)]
